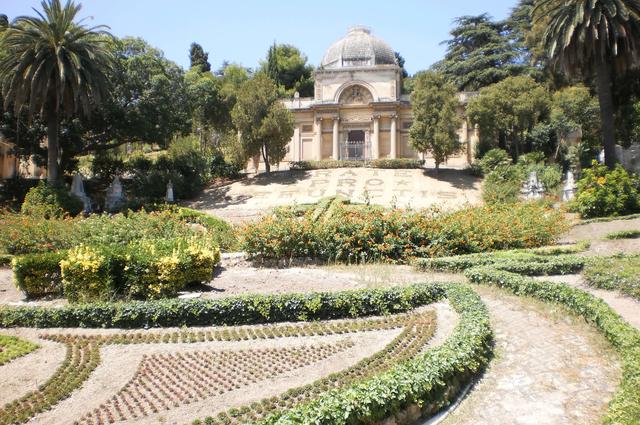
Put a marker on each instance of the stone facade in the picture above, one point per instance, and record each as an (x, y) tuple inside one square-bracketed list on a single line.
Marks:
[(358, 110)]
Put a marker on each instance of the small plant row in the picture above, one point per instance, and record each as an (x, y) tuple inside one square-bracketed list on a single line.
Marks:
[(81, 359), (167, 381), (241, 310), (624, 234), (516, 262), (12, 347), (610, 218), (625, 339), (405, 346), (83, 354), (428, 381)]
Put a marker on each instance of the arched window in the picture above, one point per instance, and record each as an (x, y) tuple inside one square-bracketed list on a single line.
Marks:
[(356, 95)]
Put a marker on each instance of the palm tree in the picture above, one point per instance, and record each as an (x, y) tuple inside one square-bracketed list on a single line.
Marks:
[(593, 36), (55, 67)]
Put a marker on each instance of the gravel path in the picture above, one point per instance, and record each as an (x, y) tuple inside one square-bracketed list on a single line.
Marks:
[(625, 306), (549, 369), (596, 233)]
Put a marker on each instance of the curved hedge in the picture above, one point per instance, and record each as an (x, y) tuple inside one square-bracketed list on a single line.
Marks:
[(425, 383), (240, 310), (625, 339)]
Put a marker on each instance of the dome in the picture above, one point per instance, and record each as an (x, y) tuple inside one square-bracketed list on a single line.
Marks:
[(358, 48)]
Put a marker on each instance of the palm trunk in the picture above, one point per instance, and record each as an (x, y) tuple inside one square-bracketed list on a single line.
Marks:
[(53, 150), (605, 99)]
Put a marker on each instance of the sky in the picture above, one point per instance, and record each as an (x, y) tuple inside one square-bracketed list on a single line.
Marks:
[(241, 31)]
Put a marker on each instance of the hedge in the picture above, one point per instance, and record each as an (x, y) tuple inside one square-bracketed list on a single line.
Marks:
[(625, 339), (426, 383), (516, 262), (619, 273), (400, 163), (239, 310), (38, 275)]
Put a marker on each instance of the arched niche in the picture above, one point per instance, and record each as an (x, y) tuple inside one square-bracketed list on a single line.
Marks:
[(355, 94)]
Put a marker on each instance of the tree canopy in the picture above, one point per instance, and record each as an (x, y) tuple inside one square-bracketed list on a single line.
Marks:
[(435, 117), (288, 67), (507, 111), (265, 125), (199, 58), (482, 52)]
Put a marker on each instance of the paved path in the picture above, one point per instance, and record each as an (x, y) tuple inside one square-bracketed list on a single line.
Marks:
[(249, 198), (596, 233), (548, 369)]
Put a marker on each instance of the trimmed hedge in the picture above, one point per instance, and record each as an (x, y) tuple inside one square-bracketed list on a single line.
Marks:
[(426, 383), (240, 310), (38, 275), (619, 273), (625, 339), (624, 234), (516, 262), (399, 163), (12, 347)]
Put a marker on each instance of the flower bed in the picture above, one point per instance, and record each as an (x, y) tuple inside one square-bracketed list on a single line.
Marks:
[(625, 339), (353, 234)]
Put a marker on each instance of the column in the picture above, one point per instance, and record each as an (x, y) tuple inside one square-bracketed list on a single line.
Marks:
[(336, 142), (317, 138), (375, 139), (394, 134), (295, 148)]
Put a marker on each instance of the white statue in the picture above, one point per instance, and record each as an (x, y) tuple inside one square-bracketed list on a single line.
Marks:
[(569, 189), (169, 197), (115, 195), (533, 188), (77, 189)]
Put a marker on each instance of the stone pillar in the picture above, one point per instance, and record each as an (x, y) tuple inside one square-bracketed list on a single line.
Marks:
[(375, 139), (394, 138), (336, 141), (317, 138), (295, 149)]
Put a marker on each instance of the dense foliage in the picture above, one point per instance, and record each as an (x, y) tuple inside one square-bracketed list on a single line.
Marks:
[(603, 192), (353, 234), (51, 202)]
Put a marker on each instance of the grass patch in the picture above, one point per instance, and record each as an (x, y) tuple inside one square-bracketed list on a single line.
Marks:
[(12, 347), (624, 234), (621, 273), (611, 218)]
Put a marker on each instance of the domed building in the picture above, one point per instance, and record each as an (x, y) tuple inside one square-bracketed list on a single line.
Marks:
[(358, 111)]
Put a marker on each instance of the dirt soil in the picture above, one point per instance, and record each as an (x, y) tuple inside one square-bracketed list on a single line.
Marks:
[(597, 232)]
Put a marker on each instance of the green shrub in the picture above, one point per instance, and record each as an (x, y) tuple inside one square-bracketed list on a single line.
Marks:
[(12, 347), (238, 310), (625, 339), (624, 234), (38, 274), (24, 234), (621, 273), (106, 166), (404, 163), (603, 192), (503, 185), (51, 202), (362, 233), (494, 159)]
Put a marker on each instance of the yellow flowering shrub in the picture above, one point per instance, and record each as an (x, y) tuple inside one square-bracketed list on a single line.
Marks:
[(86, 275)]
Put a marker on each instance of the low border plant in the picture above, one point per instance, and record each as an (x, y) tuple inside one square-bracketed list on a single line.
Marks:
[(12, 347)]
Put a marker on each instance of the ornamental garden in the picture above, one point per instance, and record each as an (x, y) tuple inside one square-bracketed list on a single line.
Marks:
[(163, 272)]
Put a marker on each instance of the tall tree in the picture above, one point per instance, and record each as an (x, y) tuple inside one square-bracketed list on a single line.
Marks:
[(435, 117), (264, 124), (55, 67), (4, 22), (199, 58), (288, 67), (598, 37), (507, 111), (481, 52)]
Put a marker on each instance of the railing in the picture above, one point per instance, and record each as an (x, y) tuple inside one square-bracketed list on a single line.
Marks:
[(355, 150)]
